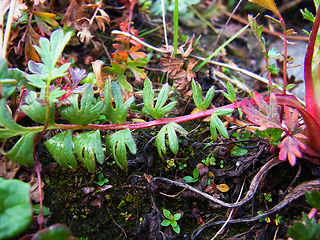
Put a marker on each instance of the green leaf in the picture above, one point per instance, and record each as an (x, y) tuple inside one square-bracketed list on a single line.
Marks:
[(307, 15), (119, 113), (9, 127), (274, 53), (169, 129), (189, 179), (89, 109), (50, 51), (37, 111), (15, 208), (176, 228), (217, 124), (59, 72), (196, 173), (231, 93), (313, 199), (238, 151), (22, 151), (116, 145), (148, 99), (36, 210), (223, 111), (61, 148), (172, 139), (167, 213), (197, 96), (88, 147), (165, 223), (177, 216), (308, 231), (57, 231)]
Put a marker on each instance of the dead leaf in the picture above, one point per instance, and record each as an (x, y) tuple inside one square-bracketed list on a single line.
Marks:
[(97, 70), (8, 169), (5, 5), (223, 187)]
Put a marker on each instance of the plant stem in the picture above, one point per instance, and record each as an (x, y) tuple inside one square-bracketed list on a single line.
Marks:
[(312, 85), (175, 27), (8, 29)]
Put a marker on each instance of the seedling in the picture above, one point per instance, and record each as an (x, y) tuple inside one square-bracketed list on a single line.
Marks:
[(193, 179), (101, 180), (171, 220)]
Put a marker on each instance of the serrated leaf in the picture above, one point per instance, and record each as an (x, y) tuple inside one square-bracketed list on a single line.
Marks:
[(116, 145), (307, 15), (117, 114), (89, 109), (268, 120), (50, 51), (88, 148), (22, 151), (59, 72), (16, 208), (61, 148), (274, 53)]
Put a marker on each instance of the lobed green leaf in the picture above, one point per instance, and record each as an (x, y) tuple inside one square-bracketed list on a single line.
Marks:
[(116, 145), (89, 109), (148, 99), (88, 147), (61, 148), (119, 113)]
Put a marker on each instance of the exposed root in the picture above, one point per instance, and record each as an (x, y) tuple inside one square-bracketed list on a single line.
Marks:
[(292, 195), (252, 189)]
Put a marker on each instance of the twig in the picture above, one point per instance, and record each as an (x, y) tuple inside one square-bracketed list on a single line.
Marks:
[(268, 31), (230, 214), (252, 189), (226, 24), (8, 29), (234, 68), (293, 195)]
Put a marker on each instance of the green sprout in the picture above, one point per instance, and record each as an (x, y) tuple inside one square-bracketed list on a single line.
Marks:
[(101, 180), (171, 220)]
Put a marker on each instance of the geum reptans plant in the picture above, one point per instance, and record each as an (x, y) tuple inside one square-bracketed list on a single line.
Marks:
[(81, 106)]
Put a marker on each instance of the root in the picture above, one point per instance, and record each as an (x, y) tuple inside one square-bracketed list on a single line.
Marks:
[(292, 195), (252, 189)]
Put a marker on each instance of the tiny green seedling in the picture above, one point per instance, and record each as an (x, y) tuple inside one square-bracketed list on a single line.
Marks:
[(171, 220), (101, 180), (193, 179)]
